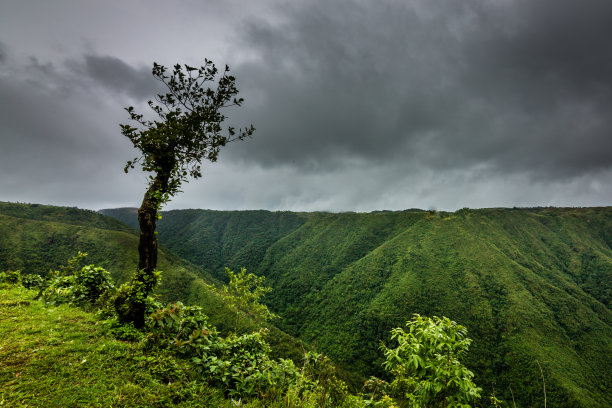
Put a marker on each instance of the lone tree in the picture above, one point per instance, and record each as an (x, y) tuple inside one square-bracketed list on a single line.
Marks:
[(187, 129)]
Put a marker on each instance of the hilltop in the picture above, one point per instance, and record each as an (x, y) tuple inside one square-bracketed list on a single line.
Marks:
[(60, 357)]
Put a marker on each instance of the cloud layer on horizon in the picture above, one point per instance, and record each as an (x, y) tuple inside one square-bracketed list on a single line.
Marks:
[(358, 106)]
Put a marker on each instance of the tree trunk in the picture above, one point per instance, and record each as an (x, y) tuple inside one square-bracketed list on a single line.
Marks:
[(147, 219), (130, 301)]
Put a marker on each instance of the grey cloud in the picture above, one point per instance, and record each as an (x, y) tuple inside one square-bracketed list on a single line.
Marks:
[(544, 71), (520, 86), (118, 76), (60, 141), (3, 53), (358, 105), (567, 39), (328, 92)]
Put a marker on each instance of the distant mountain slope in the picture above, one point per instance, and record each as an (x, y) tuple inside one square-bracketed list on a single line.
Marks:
[(527, 285), (66, 215), (219, 239), (530, 284), (126, 215)]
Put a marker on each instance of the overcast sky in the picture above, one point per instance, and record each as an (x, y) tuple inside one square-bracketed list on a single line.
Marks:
[(358, 105)]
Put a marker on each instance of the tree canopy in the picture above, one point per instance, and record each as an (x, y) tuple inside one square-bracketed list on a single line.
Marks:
[(188, 128)]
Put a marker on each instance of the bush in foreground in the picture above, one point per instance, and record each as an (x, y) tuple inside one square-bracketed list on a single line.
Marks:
[(426, 364)]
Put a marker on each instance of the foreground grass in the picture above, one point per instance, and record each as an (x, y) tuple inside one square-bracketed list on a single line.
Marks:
[(60, 357), (63, 356)]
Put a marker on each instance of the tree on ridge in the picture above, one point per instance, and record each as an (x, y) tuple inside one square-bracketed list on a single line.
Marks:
[(186, 131)]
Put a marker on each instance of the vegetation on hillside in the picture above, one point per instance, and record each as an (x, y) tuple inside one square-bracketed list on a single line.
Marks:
[(426, 364), (219, 239), (529, 284), (179, 347), (38, 239), (58, 355), (532, 286)]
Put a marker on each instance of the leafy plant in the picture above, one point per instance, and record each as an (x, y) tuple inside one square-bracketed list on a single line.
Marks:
[(375, 389), (241, 364), (426, 364), (233, 362), (80, 287), (32, 281), (10, 277), (179, 326), (322, 372), (132, 297), (72, 265), (91, 282), (243, 294)]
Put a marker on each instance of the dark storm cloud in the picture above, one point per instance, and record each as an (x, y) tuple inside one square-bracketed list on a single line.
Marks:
[(55, 134), (358, 105), (544, 71), (518, 86), (563, 38), (3, 55), (331, 90), (118, 76)]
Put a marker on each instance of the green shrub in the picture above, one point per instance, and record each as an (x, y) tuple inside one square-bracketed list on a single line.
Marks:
[(239, 364), (91, 282), (181, 327), (84, 288), (10, 277), (426, 364), (374, 389), (320, 370), (132, 299), (243, 294), (32, 281), (276, 378), (59, 290)]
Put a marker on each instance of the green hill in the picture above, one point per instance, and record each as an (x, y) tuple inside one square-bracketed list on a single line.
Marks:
[(38, 238), (219, 239), (529, 284)]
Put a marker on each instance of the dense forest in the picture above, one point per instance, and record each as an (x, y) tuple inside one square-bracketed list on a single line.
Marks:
[(532, 286)]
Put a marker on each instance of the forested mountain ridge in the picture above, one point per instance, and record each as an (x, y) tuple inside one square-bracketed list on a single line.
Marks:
[(219, 239), (530, 284)]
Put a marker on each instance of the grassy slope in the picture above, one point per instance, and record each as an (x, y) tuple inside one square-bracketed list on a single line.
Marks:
[(529, 284), (38, 238), (59, 357)]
